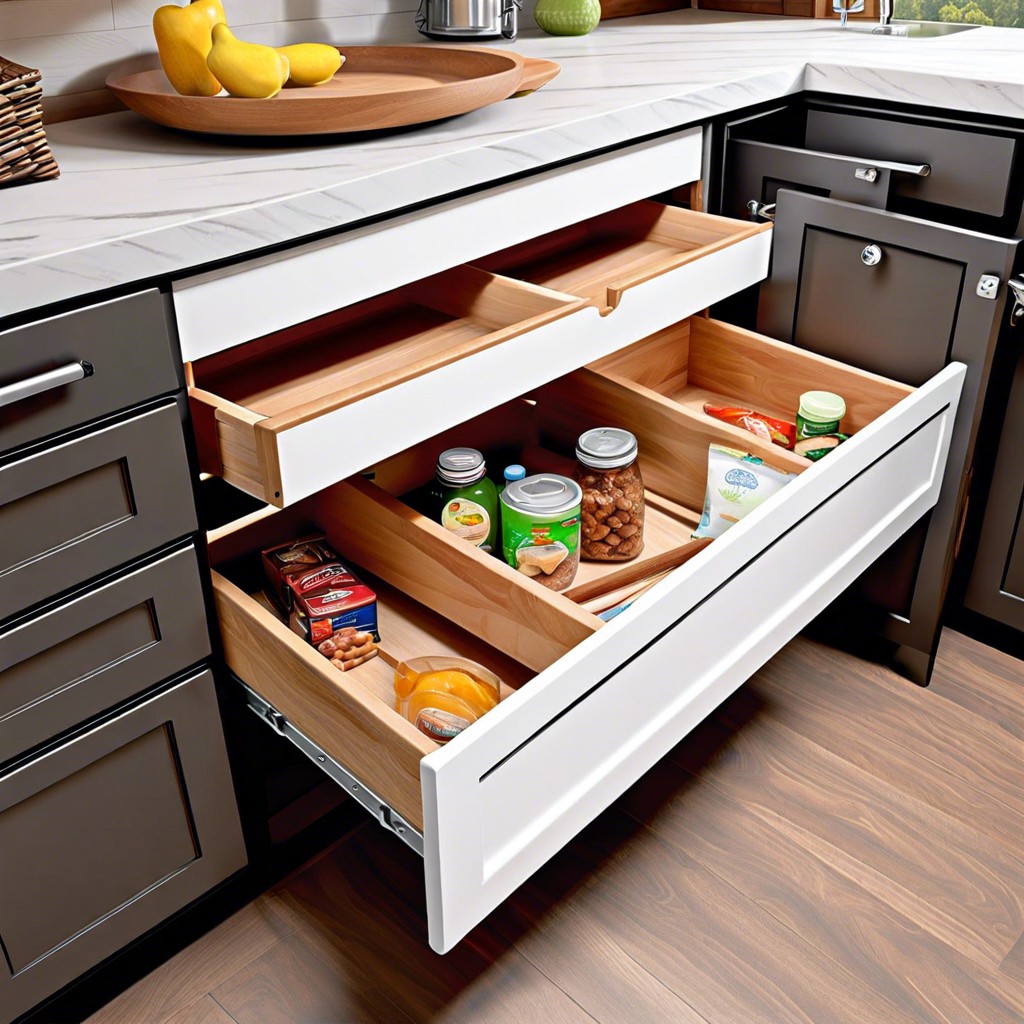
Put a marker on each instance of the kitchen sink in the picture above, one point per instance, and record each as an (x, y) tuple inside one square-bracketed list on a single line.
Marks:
[(912, 29), (931, 29)]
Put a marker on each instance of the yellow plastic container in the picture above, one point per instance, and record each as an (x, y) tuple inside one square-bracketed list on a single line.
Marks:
[(442, 695)]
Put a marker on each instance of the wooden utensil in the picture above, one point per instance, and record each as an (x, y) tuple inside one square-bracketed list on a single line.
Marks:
[(636, 572), (410, 676)]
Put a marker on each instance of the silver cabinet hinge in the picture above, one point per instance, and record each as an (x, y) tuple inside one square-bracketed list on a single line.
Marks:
[(355, 788), (988, 286)]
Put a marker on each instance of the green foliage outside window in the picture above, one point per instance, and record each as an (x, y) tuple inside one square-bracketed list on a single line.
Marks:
[(1006, 13)]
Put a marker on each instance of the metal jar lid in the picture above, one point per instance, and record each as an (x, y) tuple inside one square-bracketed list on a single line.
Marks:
[(460, 466), (606, 448), (543, 494)]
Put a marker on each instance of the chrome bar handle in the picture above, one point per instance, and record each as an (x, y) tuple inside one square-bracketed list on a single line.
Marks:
[(861, 165), (1016, 286), (41, 382), (766, 211)]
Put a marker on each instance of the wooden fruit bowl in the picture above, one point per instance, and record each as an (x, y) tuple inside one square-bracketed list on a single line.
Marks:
[(377, 87)]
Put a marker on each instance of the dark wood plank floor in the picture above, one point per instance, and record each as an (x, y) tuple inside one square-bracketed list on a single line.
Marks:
[(833, 845)]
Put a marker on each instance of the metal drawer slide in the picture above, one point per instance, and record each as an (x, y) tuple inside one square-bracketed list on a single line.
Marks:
[(353, 786)]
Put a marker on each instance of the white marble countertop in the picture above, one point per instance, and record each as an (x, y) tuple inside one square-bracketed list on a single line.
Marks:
[(135, 201)]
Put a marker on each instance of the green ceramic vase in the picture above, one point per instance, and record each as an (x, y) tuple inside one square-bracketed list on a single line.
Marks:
[(567, 17)]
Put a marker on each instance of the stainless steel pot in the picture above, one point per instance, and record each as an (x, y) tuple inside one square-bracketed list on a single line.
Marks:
[(468, 19)]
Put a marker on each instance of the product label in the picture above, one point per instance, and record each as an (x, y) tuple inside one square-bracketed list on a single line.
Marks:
[(735, 490), (467, 519), (811, 428), (440, 725), (546, 550)]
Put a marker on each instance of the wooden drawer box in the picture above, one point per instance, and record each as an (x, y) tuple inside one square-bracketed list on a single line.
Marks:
[(285, 416), (595, 704)]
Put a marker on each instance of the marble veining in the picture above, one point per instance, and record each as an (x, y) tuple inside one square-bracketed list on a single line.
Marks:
[(136, 202)]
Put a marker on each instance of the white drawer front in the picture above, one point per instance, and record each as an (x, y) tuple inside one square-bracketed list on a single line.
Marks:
[(226, 307), (506, 795)]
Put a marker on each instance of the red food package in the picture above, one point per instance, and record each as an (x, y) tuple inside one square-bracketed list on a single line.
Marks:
[(296, 557), (780, 432)]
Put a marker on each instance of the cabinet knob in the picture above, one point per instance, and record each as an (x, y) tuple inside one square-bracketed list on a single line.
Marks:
[(871, 255)]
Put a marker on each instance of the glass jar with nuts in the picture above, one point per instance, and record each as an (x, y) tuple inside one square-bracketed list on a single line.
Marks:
[(612, 509)]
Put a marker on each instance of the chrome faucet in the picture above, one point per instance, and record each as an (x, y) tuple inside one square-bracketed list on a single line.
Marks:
[(846, 7), (884, 12)]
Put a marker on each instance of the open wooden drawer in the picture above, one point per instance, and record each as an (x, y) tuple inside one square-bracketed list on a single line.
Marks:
[(277, 416), (595, 703)]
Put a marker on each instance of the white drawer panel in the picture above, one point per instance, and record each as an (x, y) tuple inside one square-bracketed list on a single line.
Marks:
[(504, 809)]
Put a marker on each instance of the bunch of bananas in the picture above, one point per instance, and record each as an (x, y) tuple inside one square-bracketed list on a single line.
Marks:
[(201, 56)]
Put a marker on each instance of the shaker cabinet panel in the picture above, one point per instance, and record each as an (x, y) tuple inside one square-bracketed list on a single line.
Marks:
[(932, 167), (70, 369), (104, 836), (74, 510), (902, 297), (902, 337), (968, 169), (87, 654)]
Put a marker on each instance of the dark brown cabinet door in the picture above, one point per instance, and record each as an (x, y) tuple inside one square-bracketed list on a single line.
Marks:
[(939, 169), (79, 508), (108, 834), (79, 366), (99, 648), (902, 297), (996, 587)]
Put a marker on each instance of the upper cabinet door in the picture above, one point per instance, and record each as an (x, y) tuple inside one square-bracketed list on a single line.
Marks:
[(901, 297)]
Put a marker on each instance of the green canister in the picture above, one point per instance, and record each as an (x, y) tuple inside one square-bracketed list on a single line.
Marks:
[(540, 528), (820, 413), (467, 500)]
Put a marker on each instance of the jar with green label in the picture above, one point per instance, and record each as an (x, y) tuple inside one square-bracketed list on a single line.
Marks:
[(820, 413), (466, 499), (540, 528)]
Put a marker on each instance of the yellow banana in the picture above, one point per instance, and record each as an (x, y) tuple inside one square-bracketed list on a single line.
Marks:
[(311, 63), (246, 69), (183, 40)]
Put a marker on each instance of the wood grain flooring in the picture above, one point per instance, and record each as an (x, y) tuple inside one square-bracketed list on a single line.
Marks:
[(833, 845)]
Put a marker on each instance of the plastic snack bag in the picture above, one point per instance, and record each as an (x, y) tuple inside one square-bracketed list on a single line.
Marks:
[(737, 484)]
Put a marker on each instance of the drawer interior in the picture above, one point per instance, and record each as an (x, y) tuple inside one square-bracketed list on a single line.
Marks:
[(599, 259), (437, 594), (349, 714)]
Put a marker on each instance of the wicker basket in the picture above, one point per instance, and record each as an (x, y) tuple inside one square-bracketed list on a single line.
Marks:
[(24, 153)]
